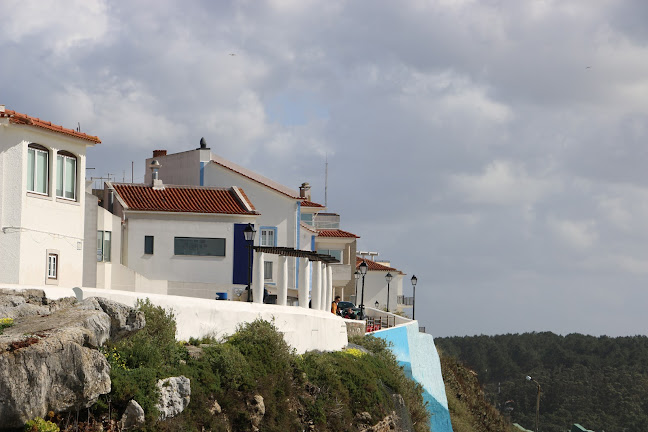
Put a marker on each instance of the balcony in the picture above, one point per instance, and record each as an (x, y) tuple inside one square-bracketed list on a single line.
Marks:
[(405, 301), (341, 272)]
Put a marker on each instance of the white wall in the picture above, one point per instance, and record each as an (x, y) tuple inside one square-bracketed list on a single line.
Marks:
[(178, 168), (163, 263), (277, 210), (303, 329), (376, 289), (33, 224)]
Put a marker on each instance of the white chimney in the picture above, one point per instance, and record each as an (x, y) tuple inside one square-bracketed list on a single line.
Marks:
[(155, 175), (304, 191)]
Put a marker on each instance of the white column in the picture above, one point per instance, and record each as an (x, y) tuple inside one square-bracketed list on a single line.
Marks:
[(326, 303), (258, 277), (329, 280), (304, 277), (316, 292), (282, 281)]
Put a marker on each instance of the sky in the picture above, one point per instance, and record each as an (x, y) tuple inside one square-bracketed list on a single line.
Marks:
[(495, 149)]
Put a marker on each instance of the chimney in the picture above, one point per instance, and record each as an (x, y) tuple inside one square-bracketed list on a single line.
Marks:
[(158, 153), (2, 108), (156, 183), (304, 191), (203, 144)]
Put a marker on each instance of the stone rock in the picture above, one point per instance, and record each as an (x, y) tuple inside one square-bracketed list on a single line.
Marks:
[(215, 408), (175, 394), (363, 417), (133, 416), (47, 358), (257, 410), (123, 319)]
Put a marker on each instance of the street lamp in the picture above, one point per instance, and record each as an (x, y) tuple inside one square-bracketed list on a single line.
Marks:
[(414, 281), (363, 271), (357, 276), (249, 233), (537, 401), (388, 278)]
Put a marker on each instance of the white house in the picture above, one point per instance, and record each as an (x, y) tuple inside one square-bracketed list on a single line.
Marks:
[(42, 201), (278, 226), (376, 285), (185, 235)]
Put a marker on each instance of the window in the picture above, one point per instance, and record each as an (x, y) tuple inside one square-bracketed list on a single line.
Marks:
[(52, 266), (37, 169), (66, 174), (148, 245), (337, 254), (199, 246), (268, 236), (267, 270), (307, 218), (103, 246)]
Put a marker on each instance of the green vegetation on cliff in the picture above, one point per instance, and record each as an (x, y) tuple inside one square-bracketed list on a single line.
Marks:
[(599, 382), (322, 391)]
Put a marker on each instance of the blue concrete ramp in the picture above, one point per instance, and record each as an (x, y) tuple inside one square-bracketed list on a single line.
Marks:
[(417, 354)]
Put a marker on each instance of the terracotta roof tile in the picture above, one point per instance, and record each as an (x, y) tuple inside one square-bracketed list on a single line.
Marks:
[(373, 265), (308, 227), (181, 199), (24, 119), (310, 204), (335, 233)]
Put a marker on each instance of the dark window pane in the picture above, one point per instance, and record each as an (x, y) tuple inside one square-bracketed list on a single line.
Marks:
[(148, 245), (199, 246)]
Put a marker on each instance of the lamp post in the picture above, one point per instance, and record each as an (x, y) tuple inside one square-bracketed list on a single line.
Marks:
[(537, 401), (388, 278), (249, 233), (363, 271), (414, 281), (357, 276)]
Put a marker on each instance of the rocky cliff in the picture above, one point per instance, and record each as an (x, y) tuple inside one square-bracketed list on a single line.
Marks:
[(49, 359)]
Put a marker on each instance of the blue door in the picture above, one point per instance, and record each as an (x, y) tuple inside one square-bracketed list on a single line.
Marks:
[(241, 253)]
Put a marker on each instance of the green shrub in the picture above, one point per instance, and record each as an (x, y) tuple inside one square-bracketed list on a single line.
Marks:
[(5, 323), (40, 425)]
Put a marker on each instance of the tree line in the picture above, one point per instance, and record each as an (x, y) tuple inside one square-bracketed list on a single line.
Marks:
[(598, 382)]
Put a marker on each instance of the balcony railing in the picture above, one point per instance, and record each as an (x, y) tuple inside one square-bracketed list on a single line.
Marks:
[(405, 301)]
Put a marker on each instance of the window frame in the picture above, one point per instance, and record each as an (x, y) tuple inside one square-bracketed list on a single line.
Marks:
[(61, 174), (328, 252), (102, 240), (152, 248), (52, 257), (264, 230), (266, 265), (37, 148)]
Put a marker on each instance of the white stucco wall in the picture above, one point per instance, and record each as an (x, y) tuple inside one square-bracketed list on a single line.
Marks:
[(34, 224), (303, 329), (163, 263), (376, 289), (178, 168)]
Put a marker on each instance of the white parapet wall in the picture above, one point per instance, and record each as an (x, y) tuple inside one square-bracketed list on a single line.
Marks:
[(303, 329)]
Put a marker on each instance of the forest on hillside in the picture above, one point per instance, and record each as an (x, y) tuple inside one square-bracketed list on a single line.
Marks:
[(598, 382)]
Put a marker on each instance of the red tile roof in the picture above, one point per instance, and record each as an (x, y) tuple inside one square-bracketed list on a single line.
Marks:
[(310, 204), (308, 227), (24, 119), (335, 233), (181, 199), (278, 187), (373, 265)]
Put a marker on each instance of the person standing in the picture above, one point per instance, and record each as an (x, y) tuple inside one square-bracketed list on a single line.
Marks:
[(334, 305)]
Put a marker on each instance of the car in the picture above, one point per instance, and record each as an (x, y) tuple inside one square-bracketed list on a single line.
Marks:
[(344, 305)]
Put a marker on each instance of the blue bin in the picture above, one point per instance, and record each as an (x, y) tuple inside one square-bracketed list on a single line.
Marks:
[(221, 296)]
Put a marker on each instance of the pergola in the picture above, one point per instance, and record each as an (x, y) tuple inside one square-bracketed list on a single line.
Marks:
[(322, 291)]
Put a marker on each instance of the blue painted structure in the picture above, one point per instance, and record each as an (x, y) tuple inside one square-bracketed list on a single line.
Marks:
[(417, 354), (240, 266)]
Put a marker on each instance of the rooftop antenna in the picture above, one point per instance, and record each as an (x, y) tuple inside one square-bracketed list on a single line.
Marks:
[(326, 181)]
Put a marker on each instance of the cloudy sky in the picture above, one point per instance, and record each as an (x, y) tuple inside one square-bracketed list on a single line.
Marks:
[(496, 149)]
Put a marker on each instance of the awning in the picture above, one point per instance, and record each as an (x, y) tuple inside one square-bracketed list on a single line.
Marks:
[(297, 253)]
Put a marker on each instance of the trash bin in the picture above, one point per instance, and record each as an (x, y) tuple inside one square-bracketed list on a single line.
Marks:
[(221, 296)]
